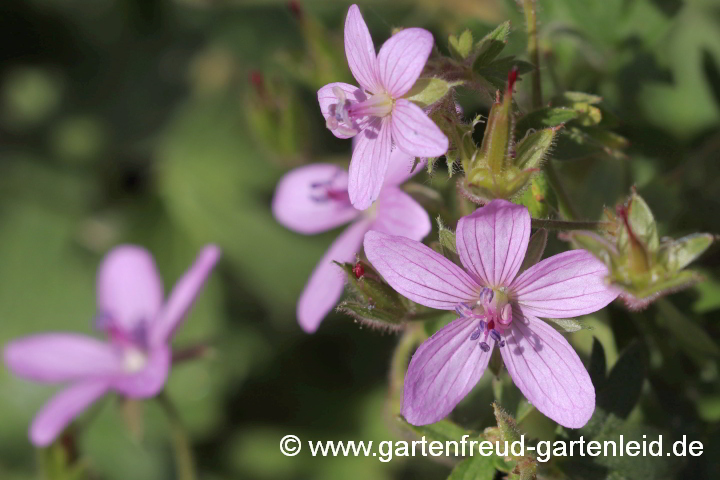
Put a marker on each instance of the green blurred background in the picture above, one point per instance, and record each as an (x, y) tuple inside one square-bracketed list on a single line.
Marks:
[(167, 123)]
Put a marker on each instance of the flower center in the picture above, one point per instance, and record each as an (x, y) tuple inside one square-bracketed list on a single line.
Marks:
[(494, 314), (134, 360), (330, 190), (344, 115)]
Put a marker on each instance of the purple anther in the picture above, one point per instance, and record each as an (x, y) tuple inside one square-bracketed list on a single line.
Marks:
[(475, 335), (486, 296), (495, 335), (464, 310), (482, 325), (485, 347)]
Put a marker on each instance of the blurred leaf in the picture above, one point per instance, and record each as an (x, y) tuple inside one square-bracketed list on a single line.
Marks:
[(679, 253), (544, 118), (461, 46), (621, 391), (490, 46), (535, 249), (532, 149), (693, 340), (476, 467)]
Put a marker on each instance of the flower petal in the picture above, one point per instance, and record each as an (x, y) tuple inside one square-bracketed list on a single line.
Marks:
[(565, 285), (402, 167), (149, 381), (419, 273), (60, 410), (183, 295), (61, 357), (548, 372), (129, 289), (414, 132), (369, 163), (299, 203), (327, 281), (360, 51), (399, 214), (328, 102), (442, 372), (492, 241), (402, 58)]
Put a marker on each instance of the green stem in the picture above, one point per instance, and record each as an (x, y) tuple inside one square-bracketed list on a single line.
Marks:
[(563, 225), (184, 459), (413, 336), (533, 50)]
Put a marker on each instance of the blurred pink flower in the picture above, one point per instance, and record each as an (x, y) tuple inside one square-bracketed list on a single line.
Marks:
[(376, 112), (495, 306), (135, 362), (315, 199)]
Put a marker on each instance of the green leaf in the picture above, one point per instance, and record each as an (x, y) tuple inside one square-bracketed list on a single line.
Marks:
[(490, 46), (678, 254), (442, 431), (693, 340), (427, 91), (569, 325), (570, 98), (536, 247), (544, 118), (532, 149), (506, 424), (461, 46), (446, 236), (476, 467), (595, 244), (597, 368), (496, 73), (621, 391)]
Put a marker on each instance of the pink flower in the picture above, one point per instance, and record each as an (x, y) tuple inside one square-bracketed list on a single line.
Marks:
[(135, 362), (315, 199), (376, 112), (496, 307)]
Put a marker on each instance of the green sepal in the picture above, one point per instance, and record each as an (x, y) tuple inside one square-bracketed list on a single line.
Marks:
[(428, 91), (370, 315), (600, 247), (532, 150), (642, 223), (546, 117), (446, 237), (677, 254), (490, 46)]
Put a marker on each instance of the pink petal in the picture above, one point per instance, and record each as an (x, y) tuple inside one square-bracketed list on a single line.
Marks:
[(61, 357), (548, 372), (414, 132), (442, 372), (299, 203), (399, 214), (565, 285), (327, 281), (402, 167), (369, 163), (149, 381), (360, 51), (402, 58), (129, 289), (57, 413), (419, 273), (183, 295), (328, 102), (492, 241)]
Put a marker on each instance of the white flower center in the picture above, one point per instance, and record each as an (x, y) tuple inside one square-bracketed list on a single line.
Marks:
[(134, 360)]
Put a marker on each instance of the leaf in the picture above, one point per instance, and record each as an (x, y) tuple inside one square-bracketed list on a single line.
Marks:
[(544, 118), (693, 340), (373, 292), (496, 73), (442, 431), (446, 236), (571, 98), (569, 325), (428, 91), (601, 248), (598, 367), (371, 315), (621, 391), (506, 424), (461, 46), (536, 247), (476, 467), (676, 255), (532, 149), (490, 46)]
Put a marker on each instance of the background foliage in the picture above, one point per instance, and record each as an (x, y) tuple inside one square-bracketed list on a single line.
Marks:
[(168, 123)]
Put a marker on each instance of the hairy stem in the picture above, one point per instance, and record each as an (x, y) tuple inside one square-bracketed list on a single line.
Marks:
[(564, 225), (184, 459)]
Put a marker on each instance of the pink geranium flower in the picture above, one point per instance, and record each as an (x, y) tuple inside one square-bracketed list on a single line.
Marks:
[(376, 113), (134, 362), (496, 307), (315, 199)]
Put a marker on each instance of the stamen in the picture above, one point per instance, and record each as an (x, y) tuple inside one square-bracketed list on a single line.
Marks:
[(463, 309), (485, 347), (496, 336), (475, 335), (486, 296)]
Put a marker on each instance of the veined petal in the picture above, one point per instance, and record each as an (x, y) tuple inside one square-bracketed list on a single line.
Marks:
[(328, 103), (442, 372), (565, 285), (149, 381), (548, 372), (402, 167), (492, 241), (61, 357), (183, 296), (60, 410), (414, 132), (369, 163), (419, 273), (402, 58), (399, 214), (360, 51), (313, 199), (129, 289), (327, 281)]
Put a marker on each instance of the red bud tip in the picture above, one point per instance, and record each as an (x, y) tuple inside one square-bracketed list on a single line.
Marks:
[(295, 9), (358, 270), (512, 78), (257, 79)]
